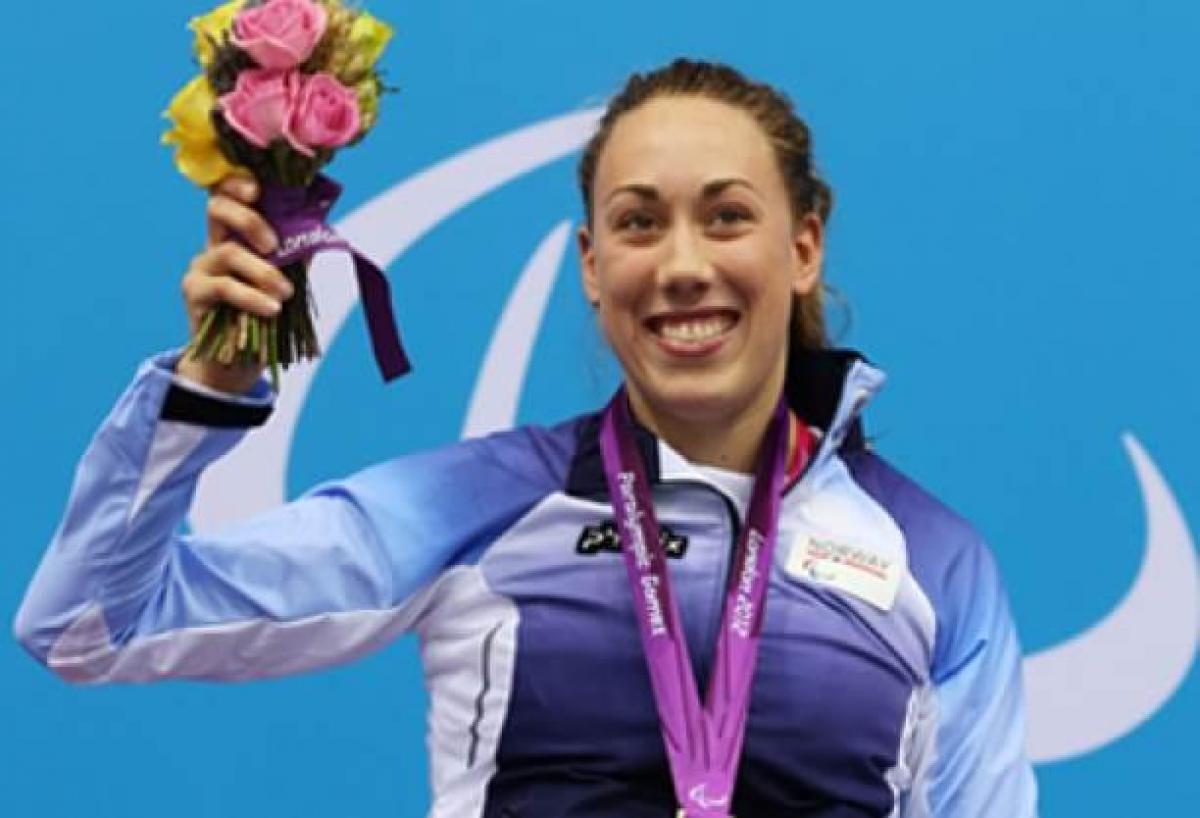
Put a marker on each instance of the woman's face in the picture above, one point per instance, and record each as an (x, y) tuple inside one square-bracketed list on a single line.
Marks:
[(693, 256)]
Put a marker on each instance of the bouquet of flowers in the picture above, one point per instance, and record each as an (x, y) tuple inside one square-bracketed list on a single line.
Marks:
[(284, 84)]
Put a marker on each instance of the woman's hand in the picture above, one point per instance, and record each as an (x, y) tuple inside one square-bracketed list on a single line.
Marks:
[(227, 272)]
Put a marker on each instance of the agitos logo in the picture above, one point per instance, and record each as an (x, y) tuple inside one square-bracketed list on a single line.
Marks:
[(1083, 694)]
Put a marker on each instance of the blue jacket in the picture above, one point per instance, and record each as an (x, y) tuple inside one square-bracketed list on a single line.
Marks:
[(889, 679)]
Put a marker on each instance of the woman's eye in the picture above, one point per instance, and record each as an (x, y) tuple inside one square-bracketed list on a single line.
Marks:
[(729, 216), (635, 222)]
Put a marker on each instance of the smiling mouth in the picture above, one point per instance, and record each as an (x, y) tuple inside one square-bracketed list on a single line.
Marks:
[(692, 329)]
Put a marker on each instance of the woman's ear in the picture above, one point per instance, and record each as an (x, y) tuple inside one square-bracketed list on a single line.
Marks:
[(808, 252), (587, 265)]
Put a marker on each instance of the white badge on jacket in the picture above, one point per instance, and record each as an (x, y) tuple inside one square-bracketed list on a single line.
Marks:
[(855, 570)]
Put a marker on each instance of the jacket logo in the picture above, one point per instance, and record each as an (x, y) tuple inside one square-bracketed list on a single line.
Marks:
[(604, 536)]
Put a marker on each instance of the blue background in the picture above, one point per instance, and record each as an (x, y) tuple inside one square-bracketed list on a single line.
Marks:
[(1017, 183)]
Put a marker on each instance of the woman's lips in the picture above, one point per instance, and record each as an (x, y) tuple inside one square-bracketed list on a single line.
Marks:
[(694, 332)]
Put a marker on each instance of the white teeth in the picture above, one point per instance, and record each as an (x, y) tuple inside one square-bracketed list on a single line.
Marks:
[(695, 331)]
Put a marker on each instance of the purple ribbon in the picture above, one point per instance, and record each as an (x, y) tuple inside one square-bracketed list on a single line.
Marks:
[(704, 743), (299, 217)]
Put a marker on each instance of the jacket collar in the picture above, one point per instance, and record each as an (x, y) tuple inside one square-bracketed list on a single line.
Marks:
[(827, 388)]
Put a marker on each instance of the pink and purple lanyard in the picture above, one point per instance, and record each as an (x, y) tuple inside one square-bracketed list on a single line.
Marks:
[(703, 742)]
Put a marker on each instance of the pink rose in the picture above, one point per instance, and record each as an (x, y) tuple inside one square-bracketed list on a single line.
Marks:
[(324, 114), (258, 105), (280, 34)]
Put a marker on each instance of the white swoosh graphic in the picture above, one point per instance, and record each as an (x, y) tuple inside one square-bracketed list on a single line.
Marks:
[(1095, 688), (252, 477), (501, 379)]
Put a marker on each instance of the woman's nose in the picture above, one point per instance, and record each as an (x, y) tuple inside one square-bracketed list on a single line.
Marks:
[(685, 270)]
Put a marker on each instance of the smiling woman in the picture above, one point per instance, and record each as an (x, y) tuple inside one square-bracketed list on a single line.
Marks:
[(720, 526), (696, 253)]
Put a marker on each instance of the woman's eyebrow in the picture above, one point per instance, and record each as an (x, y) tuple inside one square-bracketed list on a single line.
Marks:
[(641, 190), (710, 190), (718, 186)]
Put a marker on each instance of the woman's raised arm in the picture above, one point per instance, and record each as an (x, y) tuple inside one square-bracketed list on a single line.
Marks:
[(123, 595)]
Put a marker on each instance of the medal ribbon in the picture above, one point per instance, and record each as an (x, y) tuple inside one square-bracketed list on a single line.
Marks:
[(703, 742), (298, 216)]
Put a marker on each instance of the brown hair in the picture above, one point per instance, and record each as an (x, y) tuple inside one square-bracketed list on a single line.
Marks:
[(773, 111)]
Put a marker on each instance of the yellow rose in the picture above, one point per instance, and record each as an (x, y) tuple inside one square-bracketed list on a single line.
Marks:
[(368, 102), (213, 25), (192, 133), (369, 36)]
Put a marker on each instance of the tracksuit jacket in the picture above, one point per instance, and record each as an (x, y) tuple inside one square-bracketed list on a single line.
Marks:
[(889, 675)]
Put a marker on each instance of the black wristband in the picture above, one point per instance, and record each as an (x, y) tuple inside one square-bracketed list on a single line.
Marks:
[(186, 406)]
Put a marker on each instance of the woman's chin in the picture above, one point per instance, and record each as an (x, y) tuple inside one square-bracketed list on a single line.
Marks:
[(695, 397)]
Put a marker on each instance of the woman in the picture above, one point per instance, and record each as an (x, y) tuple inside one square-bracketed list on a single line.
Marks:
[(566, 671)]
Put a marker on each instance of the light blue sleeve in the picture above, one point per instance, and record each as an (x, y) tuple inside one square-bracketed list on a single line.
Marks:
[(122, 595), (979, 767)]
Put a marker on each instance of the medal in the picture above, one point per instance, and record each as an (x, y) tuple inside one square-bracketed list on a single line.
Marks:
[(703, 742)]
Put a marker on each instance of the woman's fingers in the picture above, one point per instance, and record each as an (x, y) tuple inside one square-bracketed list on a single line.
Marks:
[(240, 187), (228, 272), (234, 259), (228, 216), (202, 291), (232, 274)]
